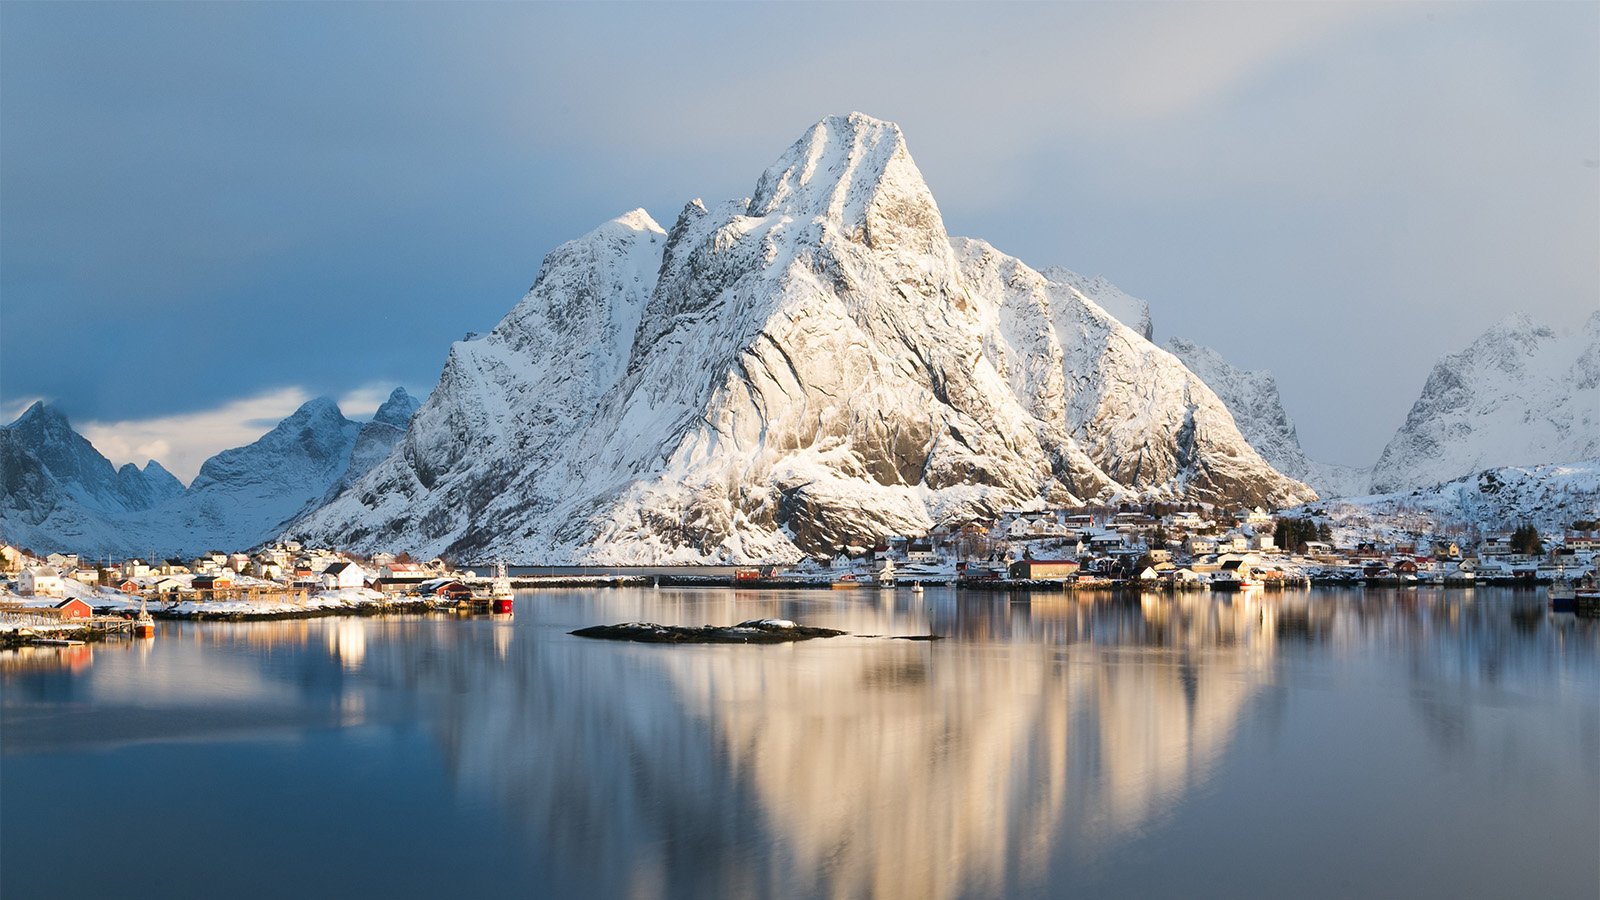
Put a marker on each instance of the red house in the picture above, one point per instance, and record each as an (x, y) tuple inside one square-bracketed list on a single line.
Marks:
[(74, 608)]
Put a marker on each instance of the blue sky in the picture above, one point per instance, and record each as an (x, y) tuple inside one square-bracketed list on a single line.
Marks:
[(210, 212)]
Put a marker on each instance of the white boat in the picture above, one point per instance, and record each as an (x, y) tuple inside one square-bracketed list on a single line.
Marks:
[(916, 587), (934, 571), (500, 587), (501, 595)]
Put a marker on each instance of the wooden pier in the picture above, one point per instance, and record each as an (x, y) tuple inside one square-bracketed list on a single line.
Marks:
[(36, 622)]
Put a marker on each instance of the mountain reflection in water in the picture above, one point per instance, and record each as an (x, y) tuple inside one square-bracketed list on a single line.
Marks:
[(1041, 734)]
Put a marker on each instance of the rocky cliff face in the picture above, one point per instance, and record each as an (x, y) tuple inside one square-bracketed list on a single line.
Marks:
[(1252, 398), (1518, 395), (805, 370)]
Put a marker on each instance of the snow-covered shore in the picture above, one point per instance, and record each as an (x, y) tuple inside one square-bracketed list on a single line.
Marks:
[(108, 601)]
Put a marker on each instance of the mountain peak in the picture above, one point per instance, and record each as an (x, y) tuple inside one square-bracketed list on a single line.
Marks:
[(152, 467), (806, 370), (43, 415), (398, 409), (635, 220), (855, 172), (316, 408)]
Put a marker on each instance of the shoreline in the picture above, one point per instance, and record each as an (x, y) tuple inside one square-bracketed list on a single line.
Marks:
[(239, 611)]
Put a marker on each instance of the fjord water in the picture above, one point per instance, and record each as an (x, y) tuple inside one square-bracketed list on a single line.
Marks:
[(1309, 744)]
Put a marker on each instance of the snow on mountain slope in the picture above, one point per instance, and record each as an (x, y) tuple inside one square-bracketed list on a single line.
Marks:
[(243, 495), (377, 439), (806, 370), (1129, 310), (1252, 398), (1145, 420), (507, 400), (149, 486), (1518, 395), (1551, 497)]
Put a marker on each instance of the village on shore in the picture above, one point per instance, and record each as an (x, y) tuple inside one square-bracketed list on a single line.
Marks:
[(1135, 546)]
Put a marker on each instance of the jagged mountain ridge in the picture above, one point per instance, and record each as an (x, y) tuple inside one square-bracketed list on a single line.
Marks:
[(804, 370), (59, 493), (1520, 394), (1252, 397), (44, 433)]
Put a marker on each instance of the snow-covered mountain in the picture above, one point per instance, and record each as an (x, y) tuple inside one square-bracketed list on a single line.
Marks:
[(57, 492), (1518, 395), (1551, 497), (243, 495), (1252, 397), (73, 465), (803, 370)]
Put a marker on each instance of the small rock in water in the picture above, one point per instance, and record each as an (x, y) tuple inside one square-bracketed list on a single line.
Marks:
[(755, 631)]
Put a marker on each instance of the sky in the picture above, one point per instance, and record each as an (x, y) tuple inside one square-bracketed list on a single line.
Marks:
[(212, 212)]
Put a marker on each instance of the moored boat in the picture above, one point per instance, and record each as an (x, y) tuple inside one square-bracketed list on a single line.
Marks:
[(1586, 596), (144, 626), (502, 596), (1562, 594)]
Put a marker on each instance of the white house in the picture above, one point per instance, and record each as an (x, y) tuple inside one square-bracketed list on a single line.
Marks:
[(1186, 519), (59, 561), (135, 568), (1256, 518), (169, 585), (343, 575), (10, 558), (41, 581)]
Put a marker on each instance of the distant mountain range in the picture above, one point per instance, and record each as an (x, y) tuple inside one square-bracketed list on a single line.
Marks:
[(798, 372), (59, 493)]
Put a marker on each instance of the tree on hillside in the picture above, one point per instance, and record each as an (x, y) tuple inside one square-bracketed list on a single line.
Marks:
[(1525, 540)]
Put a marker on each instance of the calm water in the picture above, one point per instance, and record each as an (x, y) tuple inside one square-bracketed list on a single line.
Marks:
[(1342, 744)]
